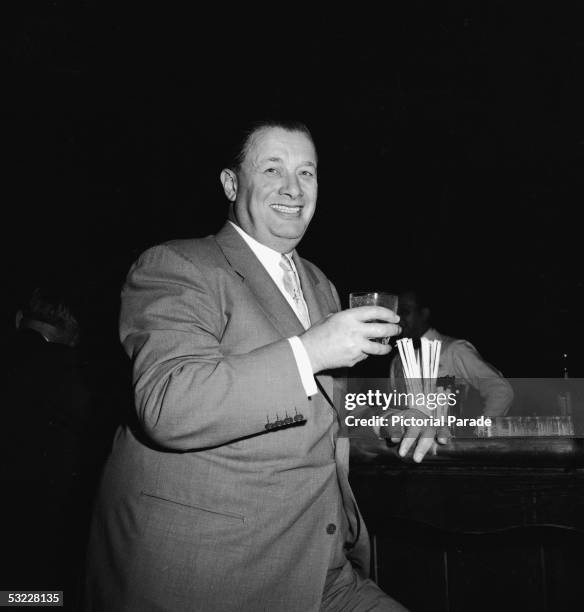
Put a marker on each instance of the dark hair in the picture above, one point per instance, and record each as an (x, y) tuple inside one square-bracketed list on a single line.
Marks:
[(242, 138), (421, 297), (49, 306)]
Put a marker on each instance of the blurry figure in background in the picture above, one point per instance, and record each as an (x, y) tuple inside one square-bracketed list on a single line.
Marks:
[(458, 358), (45, 450), (46, 316)]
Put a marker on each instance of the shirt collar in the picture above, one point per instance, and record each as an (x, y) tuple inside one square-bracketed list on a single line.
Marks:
[(265, 254), (432, 334)]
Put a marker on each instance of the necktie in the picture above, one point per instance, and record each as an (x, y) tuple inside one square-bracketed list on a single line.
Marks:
[(292, 286)]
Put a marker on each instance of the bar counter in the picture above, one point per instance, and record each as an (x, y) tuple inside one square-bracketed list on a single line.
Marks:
[(483, 524)]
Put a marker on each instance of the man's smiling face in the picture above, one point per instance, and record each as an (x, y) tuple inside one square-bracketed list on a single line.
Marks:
[(276, 188)]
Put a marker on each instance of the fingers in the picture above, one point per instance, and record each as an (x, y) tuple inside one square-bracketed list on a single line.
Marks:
[(375, 348), (376, 329), (409, 438), (443, 435), (344, 338), (421, 440), (393, 432), (424, 445), (358, 358)]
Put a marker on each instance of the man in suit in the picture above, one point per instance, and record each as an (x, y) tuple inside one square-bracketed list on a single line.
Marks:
[(230, 491)]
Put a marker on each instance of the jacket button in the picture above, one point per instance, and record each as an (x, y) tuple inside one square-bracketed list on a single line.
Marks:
[(331, 528)]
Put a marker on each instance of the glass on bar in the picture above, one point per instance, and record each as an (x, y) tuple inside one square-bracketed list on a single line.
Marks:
[(527, 426)]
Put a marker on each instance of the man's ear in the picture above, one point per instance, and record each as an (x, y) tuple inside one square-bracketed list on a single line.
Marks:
[(229, 182)]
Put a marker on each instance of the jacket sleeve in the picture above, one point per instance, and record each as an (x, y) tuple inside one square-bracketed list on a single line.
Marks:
[(188, 393), (495, 391)]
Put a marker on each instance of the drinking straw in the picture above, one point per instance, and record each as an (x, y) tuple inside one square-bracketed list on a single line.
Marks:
[(420, 367)]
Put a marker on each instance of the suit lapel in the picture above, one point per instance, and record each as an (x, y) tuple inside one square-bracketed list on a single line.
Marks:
[(270, 299), (319, 305)]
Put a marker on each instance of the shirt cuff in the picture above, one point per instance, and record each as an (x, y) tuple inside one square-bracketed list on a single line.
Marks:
[(304, 366)]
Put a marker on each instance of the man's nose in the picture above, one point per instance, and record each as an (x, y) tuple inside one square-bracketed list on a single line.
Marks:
[(291, 187)]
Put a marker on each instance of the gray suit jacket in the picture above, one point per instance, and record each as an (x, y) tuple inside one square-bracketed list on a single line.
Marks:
[(200, 507)]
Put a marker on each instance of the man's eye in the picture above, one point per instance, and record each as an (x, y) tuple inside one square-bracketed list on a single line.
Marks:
[(307, 173), (272, 171)]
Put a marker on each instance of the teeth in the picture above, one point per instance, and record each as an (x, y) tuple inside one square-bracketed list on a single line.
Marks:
[(286, 209)]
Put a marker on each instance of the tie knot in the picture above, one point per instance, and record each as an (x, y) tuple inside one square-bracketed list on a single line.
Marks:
[(285, 263)]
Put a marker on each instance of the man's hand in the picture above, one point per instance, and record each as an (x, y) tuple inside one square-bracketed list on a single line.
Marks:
[(343, 339), (421, 439)]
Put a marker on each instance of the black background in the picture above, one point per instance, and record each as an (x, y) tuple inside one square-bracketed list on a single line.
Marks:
[(449, 134)]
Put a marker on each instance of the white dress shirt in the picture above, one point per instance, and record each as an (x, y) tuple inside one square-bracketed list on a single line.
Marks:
[(270, 259)]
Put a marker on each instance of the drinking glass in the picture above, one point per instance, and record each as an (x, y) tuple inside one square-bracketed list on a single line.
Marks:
[(374, 298)]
